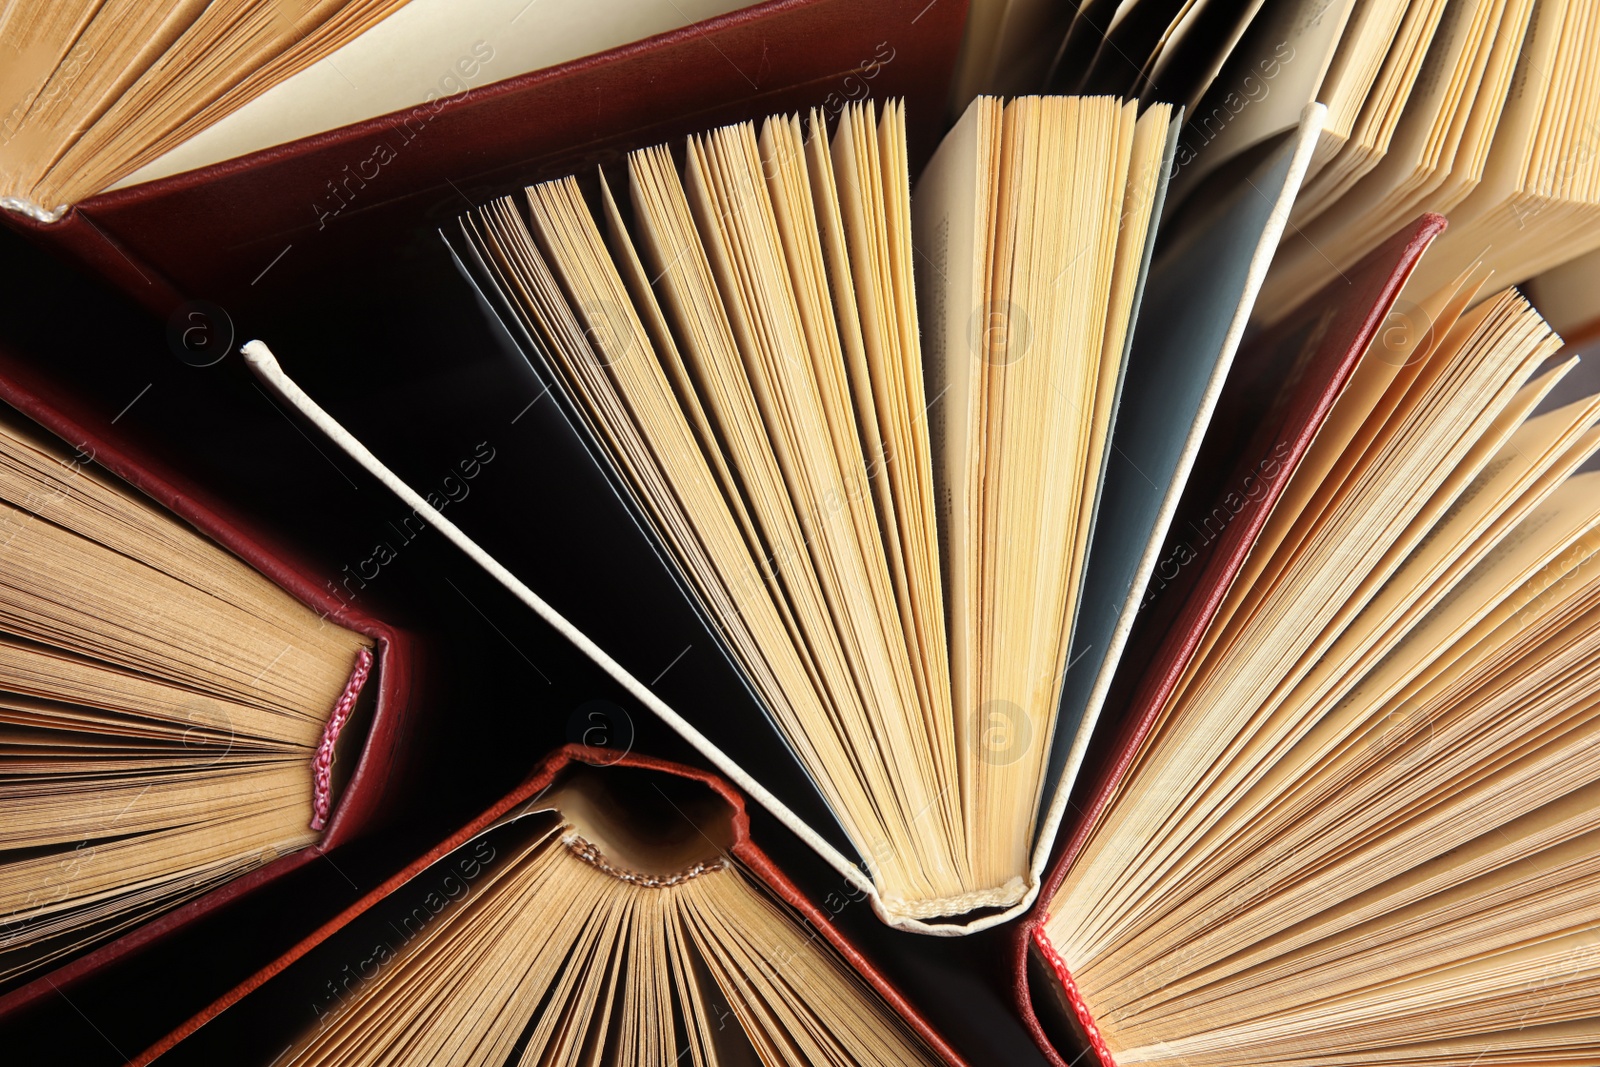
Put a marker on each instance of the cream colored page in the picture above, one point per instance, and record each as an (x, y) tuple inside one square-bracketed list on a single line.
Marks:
[(1447, 645), (1513, 218), (1177, 993), (1420, 132), (1432, 164), (1237, 682), (1483, 114), (1523, 474), (1525, 617), (1459, 653), (1054, 267), (637, 280), (950, 221), (1390, 92), (1421, 153), (913, 486), (150, 682), (1508, 986), (742, 246), (1472, 790), (1144, 174), (1573, 815), (738, 390), (561, 953), (754, 615), (1362, 47), (793, 998), (1395, 354), (1511, 147), (871, 221), (1449, 541), (1442, 534), (428, 50), (1553, 527), (749, 600), (1398, 355), (1380, 568), (1546, 533), (924, 626)]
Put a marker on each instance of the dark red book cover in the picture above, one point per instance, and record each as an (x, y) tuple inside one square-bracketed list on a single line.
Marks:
[(1282, 387), (381, 756), (742, 848), (214, 232)]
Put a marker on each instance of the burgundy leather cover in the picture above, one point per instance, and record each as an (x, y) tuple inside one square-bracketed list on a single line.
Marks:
[(743, 849), (379, 773), (1281, 390), (214, 231)]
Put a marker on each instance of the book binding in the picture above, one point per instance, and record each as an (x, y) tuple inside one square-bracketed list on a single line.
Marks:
[(743, 849), (383, 758)]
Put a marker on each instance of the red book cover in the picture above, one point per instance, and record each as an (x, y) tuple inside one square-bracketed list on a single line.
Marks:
[(390, 690), (1283, 386), (214, 232), (742, 849)]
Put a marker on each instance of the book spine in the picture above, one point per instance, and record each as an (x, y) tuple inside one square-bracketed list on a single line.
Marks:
[(322, 763), (1074, 997)]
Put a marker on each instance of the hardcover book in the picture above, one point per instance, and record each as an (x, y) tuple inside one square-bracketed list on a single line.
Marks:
[(613, 908), (189, 714)]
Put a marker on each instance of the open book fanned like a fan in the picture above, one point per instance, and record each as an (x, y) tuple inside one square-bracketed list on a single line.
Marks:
[(908, 454)]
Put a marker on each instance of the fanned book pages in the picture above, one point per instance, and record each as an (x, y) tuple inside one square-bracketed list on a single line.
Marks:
[(868, 432), (1482, 110), (421, 53), (1538, 203), (93, 91), (326, 127), (610, 910), (168, 716), (1356, 824), (599, 943), (892, 553), (98, 96)]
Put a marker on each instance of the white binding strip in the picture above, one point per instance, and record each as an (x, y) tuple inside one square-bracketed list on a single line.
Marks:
[(266, 367), (21, 205), (1304, 143)]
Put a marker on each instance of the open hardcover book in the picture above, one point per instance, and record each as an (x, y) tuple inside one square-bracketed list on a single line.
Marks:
[(612, 909), (179, 150), (1479, 110), (1346, 815), (873, 434), (103, 97), (178, 725)]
